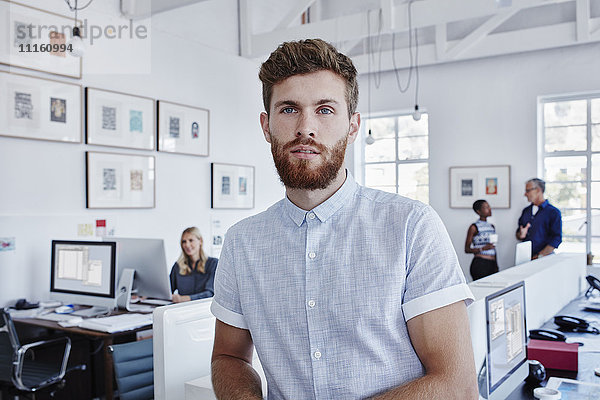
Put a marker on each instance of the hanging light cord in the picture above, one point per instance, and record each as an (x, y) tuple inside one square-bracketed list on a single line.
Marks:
[(410, 53), (376, 78), (416, 68), (75, 8)]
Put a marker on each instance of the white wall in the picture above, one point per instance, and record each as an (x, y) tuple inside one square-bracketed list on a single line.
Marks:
[(42, 189), (484, 112)]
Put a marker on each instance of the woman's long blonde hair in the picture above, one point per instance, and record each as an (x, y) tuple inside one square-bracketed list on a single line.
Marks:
[(184, 262)]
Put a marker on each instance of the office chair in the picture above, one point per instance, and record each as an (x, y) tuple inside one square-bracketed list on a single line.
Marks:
[(133, 363), (25, 367)]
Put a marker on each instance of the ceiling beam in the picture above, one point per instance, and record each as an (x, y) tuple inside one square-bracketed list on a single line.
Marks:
[(481, 32), (539, 38), (294, 14), (583, 20), (245, 32), (441, 41), (425, 13)]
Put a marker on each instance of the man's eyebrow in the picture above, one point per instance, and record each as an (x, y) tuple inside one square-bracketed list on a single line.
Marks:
[(285, 103), (326, 101)]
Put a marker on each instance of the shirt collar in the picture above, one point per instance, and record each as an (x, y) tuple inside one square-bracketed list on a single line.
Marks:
[(329, 207), (543, 205)]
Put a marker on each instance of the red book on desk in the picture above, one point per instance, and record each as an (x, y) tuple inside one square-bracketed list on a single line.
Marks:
[(554, 355)]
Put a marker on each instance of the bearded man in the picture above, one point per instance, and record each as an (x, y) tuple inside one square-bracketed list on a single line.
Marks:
[(345, 292)]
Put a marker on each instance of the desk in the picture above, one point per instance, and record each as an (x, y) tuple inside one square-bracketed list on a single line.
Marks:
[(107, 340), (587, 361)]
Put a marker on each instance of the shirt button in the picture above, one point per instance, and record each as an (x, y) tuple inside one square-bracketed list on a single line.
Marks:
[(311, 303), (312, 254), (317, 354), (311, 216)]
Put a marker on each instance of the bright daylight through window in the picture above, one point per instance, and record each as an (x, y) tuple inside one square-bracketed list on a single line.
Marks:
[(398, 160), (571, 161)]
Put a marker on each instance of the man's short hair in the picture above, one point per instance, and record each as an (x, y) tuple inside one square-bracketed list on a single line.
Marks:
[(538, 183), (478, 204), (303, 57)]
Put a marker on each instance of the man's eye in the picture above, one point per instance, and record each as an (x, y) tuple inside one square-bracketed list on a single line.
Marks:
[(326, 111), (287, 110)]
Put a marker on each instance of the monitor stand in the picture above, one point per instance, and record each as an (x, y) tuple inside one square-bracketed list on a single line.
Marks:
[(91, 312), (124, 293)]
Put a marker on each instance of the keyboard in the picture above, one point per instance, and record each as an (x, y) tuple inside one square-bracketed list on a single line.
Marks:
[(55, 317), (156, 302), (117, 323)]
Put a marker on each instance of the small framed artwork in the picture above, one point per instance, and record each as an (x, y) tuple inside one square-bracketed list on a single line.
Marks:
[(119, 180), (38, 108), (490, 183), (36, 39), (119, 119), (232, 186), (182, 129)]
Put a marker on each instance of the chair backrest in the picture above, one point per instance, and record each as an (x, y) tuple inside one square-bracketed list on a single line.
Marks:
[(133, 364), (9, 344)]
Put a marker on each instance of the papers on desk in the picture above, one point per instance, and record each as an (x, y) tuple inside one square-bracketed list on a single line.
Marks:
[(31, 313), (571, 389), (117, 323)]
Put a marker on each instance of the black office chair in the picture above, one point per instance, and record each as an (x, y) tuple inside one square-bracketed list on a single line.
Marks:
[(134, 369), (30, 367)]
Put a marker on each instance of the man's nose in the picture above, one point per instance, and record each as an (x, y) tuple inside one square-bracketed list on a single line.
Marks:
[(306, 125)]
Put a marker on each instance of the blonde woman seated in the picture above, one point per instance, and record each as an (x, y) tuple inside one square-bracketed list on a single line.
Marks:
[(193, 275)]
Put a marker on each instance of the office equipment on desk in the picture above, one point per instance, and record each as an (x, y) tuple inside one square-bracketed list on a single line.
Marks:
[(133, 365), (523, 252), (124, 289), (183, 341), (26, 373), (83, 272), (117, 323), (568, 323), (57, 317), (594, 285), (156, 302), (574, 389), (147, 258), (554, 354), (506, 358)]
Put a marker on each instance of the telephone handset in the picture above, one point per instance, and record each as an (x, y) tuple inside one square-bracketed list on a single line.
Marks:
[(594, 285), (574, 324), (547, 334)]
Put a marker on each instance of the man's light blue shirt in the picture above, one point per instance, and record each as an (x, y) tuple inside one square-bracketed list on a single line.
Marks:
[(326, 293)]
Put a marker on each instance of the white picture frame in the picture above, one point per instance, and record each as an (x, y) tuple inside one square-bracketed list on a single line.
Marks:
[(183, 129), (119, 119), (47, 28), (232, 186), (489, 183), (120, 180), (38, 108)]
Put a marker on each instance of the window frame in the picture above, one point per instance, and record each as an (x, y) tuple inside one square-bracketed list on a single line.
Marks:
[(587, 153), (396, 162)]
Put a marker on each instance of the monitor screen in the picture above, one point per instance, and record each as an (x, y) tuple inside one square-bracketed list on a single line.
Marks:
[(506, 339), (147, 258), (83, 268)]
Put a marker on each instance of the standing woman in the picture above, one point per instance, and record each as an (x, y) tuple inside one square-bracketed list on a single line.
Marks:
[(478, 242), (193, 275)]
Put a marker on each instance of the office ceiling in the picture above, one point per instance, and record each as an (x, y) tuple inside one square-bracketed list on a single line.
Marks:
[(447, 30)]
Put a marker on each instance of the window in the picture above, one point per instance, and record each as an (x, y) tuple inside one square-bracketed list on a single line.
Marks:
[(398, 161), (571, 165)]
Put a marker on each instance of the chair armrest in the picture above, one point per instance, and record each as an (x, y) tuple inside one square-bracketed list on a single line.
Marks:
[(20, 359)]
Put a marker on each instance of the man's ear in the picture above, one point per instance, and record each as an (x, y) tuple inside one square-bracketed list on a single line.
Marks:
[(264, 124), (354, 127)]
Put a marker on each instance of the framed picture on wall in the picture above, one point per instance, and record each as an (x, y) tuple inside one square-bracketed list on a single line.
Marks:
[(119, 119), (182, 129), (36, 39), (37, 108), (490, 183), (232, 186), (120, 180)]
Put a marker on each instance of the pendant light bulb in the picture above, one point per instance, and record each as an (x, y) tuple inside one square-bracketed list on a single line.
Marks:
[(76, 43), (416, 114), (370, 139)]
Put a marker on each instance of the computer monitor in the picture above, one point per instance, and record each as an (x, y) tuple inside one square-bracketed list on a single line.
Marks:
[(147, 258), (83, 272), (523, 252), (506, 358)]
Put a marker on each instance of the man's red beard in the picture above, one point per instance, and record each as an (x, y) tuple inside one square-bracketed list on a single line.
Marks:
[(298, 174)]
